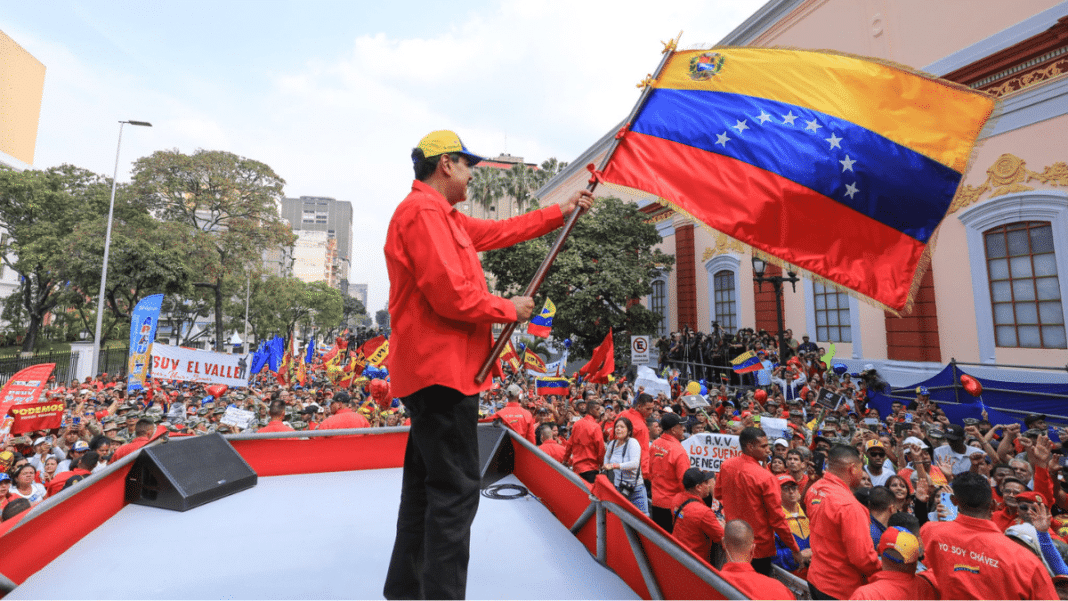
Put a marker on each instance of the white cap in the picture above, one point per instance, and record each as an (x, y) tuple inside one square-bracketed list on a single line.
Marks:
[(39, 441), (514, 390), (915, 441), (781, 442)]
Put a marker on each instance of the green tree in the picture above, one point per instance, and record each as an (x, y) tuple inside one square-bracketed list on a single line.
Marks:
[(486, 187), (382, 317), (40, 210), (231, 202), (607, 265), (352, 311)]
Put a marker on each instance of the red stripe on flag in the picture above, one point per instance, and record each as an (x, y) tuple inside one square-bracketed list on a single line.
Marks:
[(773, 214)]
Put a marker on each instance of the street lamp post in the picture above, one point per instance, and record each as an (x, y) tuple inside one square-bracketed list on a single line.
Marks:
[(107, 248), (776, 282)]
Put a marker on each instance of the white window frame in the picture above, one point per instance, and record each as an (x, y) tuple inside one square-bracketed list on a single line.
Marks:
[(1044, 205), (713, 266), (810, 320)]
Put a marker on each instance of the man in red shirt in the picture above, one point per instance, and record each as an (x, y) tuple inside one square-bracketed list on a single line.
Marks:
[(585, 447), (667, 464), (550, 446), (277, 412), (343, 416), (752, 493), (81, 470), (143, 430), (515, 416), (739, 546), (442, 314), (899, 551), (972, 559), (843, 555), (638, 416), (696, 525)]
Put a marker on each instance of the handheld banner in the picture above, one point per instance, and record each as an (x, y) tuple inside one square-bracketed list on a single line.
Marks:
[(25, 387), (29, 417), (708, 451), (206, 367), (143, 324)]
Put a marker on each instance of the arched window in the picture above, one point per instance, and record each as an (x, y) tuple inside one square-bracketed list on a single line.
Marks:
[(726, 300), (1025, 291)]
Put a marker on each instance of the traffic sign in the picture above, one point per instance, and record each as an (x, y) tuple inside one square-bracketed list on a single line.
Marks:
[(639, 350)]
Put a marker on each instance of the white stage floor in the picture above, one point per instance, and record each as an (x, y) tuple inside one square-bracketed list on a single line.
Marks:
[(313, 536)]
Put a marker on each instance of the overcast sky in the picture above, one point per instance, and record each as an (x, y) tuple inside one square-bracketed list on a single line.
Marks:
[(333, 95)]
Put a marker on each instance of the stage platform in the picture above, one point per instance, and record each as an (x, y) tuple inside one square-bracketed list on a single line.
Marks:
[(313, 536)]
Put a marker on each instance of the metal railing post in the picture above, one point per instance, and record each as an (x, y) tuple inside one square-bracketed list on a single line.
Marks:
[(602, 534)]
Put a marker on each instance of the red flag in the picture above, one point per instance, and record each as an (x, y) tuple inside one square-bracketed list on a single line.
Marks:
[(376, 350), (29, 417), (602, 363), (25, 386)]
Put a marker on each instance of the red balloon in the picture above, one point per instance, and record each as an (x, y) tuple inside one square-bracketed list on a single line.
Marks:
[(217, 390), (760, 396), (380, 392), (971, 385)]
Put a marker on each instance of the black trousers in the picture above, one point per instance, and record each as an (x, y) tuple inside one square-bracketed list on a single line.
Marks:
[(439, 497), (762, 565), (817, 594)]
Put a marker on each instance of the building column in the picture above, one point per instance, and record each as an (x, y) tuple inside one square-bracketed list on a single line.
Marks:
[(686, 275)]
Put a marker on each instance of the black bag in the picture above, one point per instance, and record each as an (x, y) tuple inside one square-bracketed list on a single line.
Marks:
[(626, 489)]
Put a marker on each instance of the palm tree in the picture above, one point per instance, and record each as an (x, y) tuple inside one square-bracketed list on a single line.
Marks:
[(486, 187)]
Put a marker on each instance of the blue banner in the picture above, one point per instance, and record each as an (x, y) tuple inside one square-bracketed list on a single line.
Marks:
[(143, 324)]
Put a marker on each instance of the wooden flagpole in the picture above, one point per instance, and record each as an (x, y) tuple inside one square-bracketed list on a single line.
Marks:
[(543, 269)]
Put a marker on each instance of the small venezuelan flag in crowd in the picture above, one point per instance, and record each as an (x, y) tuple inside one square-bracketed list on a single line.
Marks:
[(547, 386), (746, 362), (542, 323)]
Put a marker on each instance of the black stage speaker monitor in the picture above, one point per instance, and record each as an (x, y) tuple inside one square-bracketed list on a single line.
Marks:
[(496, 457), (183, 474)]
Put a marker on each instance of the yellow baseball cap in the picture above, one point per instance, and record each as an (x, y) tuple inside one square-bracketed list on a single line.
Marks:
[(904, 544), (440, 142)]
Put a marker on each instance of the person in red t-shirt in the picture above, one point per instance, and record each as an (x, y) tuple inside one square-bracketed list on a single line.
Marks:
[(739, 545), (972, 559), (343, 416), (515, 416), (585, 447), (668, 462), (442, 314), (143, 430), (696, 525), (550, 446), (750, 492), (277, 413)]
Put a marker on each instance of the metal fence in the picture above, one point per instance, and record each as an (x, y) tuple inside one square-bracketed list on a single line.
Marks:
[(112, 361)]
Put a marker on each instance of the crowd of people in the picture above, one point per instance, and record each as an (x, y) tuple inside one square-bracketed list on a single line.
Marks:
[(864, 506)]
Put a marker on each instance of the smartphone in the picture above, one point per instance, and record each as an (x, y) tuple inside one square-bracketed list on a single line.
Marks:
[(901, 428), (950, 507), (76, 421)]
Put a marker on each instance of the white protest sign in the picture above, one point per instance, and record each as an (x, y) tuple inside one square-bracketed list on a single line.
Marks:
[(774, 427), (708, 451), (653, 385), (237, 417), (639, 350), (192, 365)]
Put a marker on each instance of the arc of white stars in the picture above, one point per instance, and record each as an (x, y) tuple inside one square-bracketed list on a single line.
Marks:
[(851, 189), (834, 140), (722, 139), (847, 164), (788, 118), (812, 125), (764, 116), (740, 126)]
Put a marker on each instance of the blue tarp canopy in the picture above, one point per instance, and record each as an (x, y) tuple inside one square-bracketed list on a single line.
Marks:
[(997, 395)]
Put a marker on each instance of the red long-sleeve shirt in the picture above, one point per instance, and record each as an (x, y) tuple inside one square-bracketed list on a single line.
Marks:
[(554, 449), (750, 492), (344, 419), (843, 555), (641, 434), (667, 464), (586, 445), (518, 419), (696, 526), (972, 559), (753, 584), (889, 586), (128, 448), (440, 308), (275, 425)]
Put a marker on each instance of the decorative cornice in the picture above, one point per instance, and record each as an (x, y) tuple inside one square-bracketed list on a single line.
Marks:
[(1008, 175), (661, 216), (724, 244), (1035, 60)]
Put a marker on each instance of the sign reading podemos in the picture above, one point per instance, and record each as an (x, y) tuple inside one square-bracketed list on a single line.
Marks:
[(191, 365), (709, 451), (29, 417)]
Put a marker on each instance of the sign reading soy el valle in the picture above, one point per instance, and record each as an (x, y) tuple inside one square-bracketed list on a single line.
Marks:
[(192, 365)]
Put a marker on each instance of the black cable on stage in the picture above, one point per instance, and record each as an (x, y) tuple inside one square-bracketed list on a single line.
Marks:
[(497, 491)]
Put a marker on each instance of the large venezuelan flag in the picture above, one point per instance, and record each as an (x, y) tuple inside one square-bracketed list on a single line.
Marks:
[(835, 165), (548, 386)]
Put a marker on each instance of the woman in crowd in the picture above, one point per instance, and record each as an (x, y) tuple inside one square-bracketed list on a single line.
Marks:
[(777, 465), (623, 456), (26, 486), (906, 501), (49, 470)]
